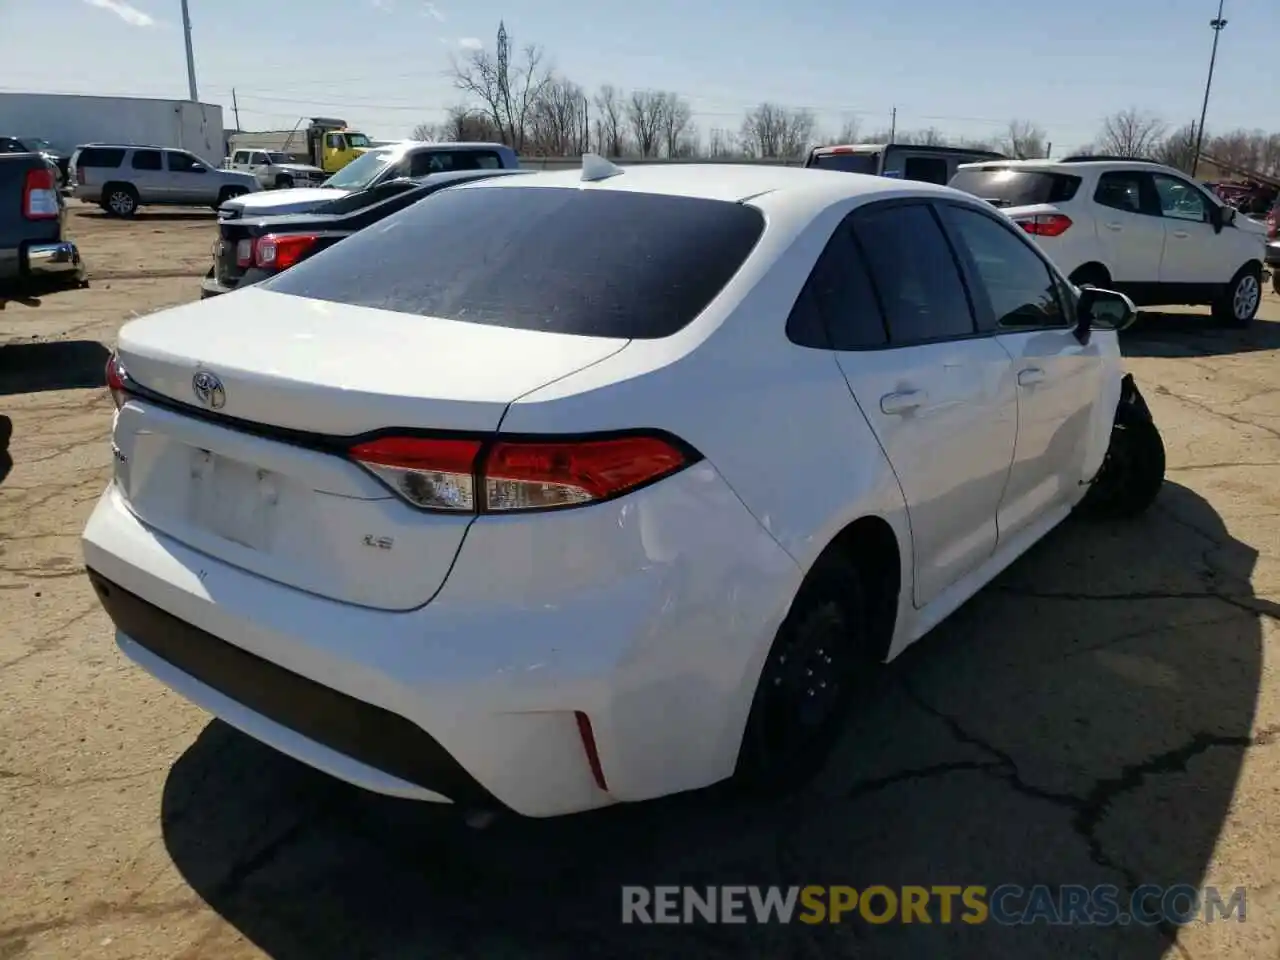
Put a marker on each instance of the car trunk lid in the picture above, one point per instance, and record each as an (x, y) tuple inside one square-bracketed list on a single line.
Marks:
[(249, 467)]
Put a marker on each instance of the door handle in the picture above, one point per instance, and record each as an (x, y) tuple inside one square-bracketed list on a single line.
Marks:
[(1030, 376), (903, 402), (1181, 234), (1114, 226)]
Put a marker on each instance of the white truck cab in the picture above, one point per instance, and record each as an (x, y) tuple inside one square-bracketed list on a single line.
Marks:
[(274, 170)]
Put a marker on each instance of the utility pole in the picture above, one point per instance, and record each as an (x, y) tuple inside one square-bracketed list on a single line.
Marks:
[(191, 57), (1216, 24), (235, 106), (1048, 148), (893, 124)]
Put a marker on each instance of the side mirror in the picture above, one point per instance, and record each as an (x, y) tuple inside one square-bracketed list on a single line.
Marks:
[(1104, 309)]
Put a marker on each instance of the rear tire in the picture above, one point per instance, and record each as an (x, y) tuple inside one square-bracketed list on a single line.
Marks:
[(1239, 302), (120, 200), (818, 667), (1132, 472)]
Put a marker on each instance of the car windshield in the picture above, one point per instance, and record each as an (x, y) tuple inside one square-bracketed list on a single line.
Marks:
[(35, 143), (359, 173), (358, 139), (848, 162), (601, 263)]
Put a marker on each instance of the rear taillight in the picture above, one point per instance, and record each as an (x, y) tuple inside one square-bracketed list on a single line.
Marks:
[(1272, 225), (40, 195), (1045, 224), (117, 381), (478, 476), (280, 253)]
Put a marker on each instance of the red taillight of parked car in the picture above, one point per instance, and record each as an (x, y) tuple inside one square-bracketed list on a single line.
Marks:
[(1045, 224), (458, 475), (1273, 225), (40, 195), (118, 381), (278, 253)]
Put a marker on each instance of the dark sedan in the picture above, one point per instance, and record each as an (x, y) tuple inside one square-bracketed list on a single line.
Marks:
[(251, 249)]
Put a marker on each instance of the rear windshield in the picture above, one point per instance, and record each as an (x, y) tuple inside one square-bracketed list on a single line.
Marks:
[(602, 263), (847, 162), (1005, 187)]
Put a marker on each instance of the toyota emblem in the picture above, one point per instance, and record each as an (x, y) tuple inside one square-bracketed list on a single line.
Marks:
[(208, 390)]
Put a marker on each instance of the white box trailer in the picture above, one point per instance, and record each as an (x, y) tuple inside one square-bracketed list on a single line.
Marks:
[(68, 120)]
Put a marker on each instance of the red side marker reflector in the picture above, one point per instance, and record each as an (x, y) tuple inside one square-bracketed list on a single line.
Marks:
[(589, 745)]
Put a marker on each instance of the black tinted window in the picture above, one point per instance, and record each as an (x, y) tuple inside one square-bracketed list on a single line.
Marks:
[(1004, 187), (9, 145), (146, 160), (183, 162), (838, 307), (914, 273), (1120, 191), (604, 263), (1018, 284), (847, 162), (101, 157), (928, 169)]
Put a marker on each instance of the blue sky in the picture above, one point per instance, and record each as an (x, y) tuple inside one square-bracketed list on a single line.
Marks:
[(383, 65)]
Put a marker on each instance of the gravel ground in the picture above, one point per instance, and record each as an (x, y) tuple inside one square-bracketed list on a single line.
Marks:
[(1107, 712)]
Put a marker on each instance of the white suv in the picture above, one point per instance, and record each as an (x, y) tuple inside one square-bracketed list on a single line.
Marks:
[(1144, 229), (553, 492)]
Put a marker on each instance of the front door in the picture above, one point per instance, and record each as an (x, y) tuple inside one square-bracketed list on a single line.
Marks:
[(1192, 251), (192, 182), (939, 398), (1024, 303)]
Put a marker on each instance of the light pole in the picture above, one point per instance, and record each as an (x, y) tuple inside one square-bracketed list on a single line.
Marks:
[(1217, 24), (191, 57)]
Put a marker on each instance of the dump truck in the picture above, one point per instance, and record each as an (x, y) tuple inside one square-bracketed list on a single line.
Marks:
[(325, 142)]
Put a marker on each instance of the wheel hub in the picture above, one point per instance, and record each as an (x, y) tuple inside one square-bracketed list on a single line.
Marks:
[(1245, 302)]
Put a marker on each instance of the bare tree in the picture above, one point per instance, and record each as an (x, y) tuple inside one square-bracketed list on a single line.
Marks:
[(463, 123), (928, 137), (1023, 140), (558, 121), (676, 116), (722, 144), (849, 131), (610, 125), (646, 112), (425, 131), (1178, 149), (1131, 133), (771, 131), (507, 90)]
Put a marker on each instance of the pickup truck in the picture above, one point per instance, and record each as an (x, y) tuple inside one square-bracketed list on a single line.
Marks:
[(33, 245), (252, 249), (379, 165), (275, 171)]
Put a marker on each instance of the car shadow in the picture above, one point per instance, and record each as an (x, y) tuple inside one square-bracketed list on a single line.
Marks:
[(1082, 720), (156, 216), (57, 365), (6, 461), (1161, 334)]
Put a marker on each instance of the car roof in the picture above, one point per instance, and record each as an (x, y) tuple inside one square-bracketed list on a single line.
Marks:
[(732, 182), (1074, 167), (831, 148)]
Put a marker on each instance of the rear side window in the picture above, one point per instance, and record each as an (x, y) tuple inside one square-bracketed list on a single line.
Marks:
[(928, 169), (1006, 187), (443, 161), (110, 157), (146, 160), (837, 309), (602, 263), (847, 162), (1120, 191), (915, 274)]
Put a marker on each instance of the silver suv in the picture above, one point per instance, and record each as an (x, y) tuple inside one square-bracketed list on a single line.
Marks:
[(122, 177)]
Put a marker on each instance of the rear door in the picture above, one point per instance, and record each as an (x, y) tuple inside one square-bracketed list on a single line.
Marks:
[(1024, 304), (938, 395), (1131, 230), (149, 177)]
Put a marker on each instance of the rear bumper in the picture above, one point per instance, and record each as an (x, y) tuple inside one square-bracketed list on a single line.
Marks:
[(652, 620)]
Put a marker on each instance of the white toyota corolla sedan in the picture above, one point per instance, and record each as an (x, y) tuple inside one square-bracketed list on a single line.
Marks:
[(592, 486)]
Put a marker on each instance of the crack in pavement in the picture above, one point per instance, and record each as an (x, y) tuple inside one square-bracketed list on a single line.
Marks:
[(1204, 407)]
